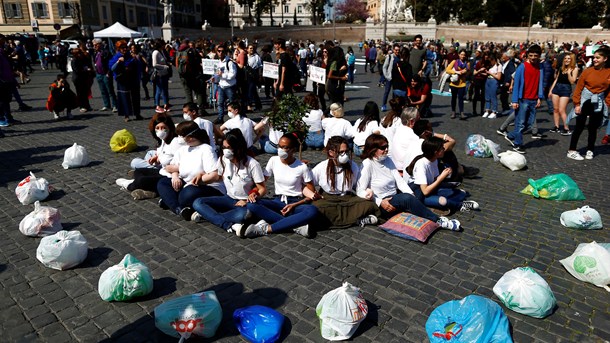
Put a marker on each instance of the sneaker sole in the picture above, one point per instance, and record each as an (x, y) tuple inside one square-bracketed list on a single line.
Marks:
[(509, 140)]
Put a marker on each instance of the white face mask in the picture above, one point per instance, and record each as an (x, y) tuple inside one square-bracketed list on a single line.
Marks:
[(283, 154), (161, 134), (228, 153), (381, 158), (343, 159), (186, 116), (231, 114)]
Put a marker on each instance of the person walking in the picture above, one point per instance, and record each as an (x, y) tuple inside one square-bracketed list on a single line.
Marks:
[(103, 75)]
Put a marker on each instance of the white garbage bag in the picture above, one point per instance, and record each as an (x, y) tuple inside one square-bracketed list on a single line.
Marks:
[(512, 160), (63, 250), (581, 218), (75, 156), (524, 291), (43, 221), (126, 280), (341, 311), (590, 263), (32, 189)]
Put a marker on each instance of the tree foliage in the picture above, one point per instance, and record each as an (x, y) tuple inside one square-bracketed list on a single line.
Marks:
[(316, 8), (351, 10), (264, 6)]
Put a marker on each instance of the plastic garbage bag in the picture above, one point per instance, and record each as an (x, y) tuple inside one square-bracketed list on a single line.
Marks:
[(75, 156), (474, 319), (63, 250), (259, 324), (43, 221), (123, 141), (581, 218), (126, 280), (512, 160), (479, 146), (196, 314), (32, 189), (524, 291), (341, 311), (590, 263), (554, 187)]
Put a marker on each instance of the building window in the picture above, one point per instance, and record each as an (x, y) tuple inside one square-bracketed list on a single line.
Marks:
[(299, 9), (232, 9), (131, 19), (65, 10), (40, 10), (273, 9), (286, 9), (104, 13), (198, 8), (12, 10)]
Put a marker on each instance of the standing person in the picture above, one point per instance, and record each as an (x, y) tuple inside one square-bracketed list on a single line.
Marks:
[(508, 69), (336, 75), (125, 70), (188, 65), (351, 65), (302, 54), (61, 56), (494, 75), (372, 58), (452, 55), (458, 70), (401, 75), (549, 76), (388, 67), (283, 85), (560, 92), (319, 89), (267, 81), (417, 58), (227, 81), (591, 99), (431, 57), (254, 71), (479, 79), (7, 84), (527, 94), (365, 126), (240, 57), (161, 74), (82, 77), (103, 75), (381, 56)]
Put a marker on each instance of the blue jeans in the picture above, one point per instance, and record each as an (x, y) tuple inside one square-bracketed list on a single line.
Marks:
[(350, 73), (176, 201), (491, 98), (225, 96), (526, 115), (140, 163), (107, 90), (269, 210), (457, 93), (220, 210), (386, 91), (268, 146), (357, 150), (162, 89), (405, 202), (314, 139), (453, 196)]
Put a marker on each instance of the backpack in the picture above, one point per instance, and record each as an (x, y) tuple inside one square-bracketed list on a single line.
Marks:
[(187, 59)]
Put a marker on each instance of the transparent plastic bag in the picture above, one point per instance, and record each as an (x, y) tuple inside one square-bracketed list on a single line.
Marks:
[(123, 141), (479, 146), (196, 314), (512, 160), (590, 262), (43, 221), (63, 250), (75, 156), (524, 291), (126, 280), (582, 218), (341, 311), (259, 324), (554, 187), (32, 189)]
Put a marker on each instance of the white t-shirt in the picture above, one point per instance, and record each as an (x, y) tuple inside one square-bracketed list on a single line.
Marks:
[(245, 125), (289, 180), (302, 53), (424, 172), (314, 120), (388, 132), (495, 69), (208, 127), (382, 178), (405, 146), (360, 137), (320, 178), (337, 127), (192, 161), (240, 181), (166, 152)]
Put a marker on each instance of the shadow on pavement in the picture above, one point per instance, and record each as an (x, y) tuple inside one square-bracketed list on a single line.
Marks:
[(13, 161), (370, 321), (95, 257)]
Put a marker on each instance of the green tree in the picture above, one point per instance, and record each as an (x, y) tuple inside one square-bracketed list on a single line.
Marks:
[(249, 4), (576, 13), (316, 8), (264, 6)]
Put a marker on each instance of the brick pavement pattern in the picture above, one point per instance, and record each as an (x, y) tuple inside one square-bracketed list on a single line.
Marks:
[(402, 281)]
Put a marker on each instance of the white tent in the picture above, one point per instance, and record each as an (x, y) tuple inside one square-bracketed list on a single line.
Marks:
[(117, 30)]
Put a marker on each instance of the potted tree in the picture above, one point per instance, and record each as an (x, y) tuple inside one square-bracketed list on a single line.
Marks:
[(287, 114)]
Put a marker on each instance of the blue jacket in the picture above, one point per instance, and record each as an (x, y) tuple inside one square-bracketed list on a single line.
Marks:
[(549, 72), (508, 72), (520, 81)]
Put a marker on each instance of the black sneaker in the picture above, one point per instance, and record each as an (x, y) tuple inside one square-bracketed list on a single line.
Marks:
[(509, 140), (519, 150), (537, 136), (501, 132), (162, 205), (555, 130), (187, 213), (565, 132)]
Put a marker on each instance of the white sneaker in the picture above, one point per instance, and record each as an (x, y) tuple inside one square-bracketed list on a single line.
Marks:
[(302, 230), (469, 205), (123, 183), (55, 115), (485, 114), (575, 155), (367, 220), (256, 230), (235, 228), (589, 155), (492, 115), (449, 224), (196, 217)]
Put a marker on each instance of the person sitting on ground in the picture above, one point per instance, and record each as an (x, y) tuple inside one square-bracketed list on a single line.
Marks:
[(268, 141), (430, 186), (336, 177), (380, 182), (148, 171), (238, 120), (392, 119), (313, 119), (289, 210), (337, 125), (61, 97), (190, 111), (244, 180), (193, 172), (365, 126)]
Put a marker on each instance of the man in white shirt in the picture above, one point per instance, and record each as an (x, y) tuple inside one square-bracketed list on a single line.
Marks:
[(227, 79), (404, 147)]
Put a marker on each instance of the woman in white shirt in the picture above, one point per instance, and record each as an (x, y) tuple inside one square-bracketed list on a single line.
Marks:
[(193, 172), (237, 120), (289, 210), (429, 184), (494, 75), (392, 119), (379, 180), (336, 125), (162, 69), (337, 177), (313, 119), (365, 126), (244, 180)]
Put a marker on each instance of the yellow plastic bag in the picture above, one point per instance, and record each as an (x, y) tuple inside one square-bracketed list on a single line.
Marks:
[(123, 141)]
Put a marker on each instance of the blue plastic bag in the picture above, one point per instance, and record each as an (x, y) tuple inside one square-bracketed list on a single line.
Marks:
[(474, 319), (259, 324), (195, 314)]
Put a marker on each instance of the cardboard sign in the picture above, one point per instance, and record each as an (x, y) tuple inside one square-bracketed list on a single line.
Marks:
[(270, 70), (209, 66), (317, 74)]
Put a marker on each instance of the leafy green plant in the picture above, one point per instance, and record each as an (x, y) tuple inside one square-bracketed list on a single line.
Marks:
[(287, 114)]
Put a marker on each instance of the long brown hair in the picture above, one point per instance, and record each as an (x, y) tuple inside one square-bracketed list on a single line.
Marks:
[(372, 143), (334, 144)]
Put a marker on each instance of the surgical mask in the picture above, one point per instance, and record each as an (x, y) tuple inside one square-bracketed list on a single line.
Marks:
[(231, 115), (343, 158), (228, 153), (186, 116), (282, 153), (161, 134), (381, 158)]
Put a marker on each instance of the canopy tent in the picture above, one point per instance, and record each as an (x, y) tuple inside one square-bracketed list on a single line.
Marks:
[(117, 30)]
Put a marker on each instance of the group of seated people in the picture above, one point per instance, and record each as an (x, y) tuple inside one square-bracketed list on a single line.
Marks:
[(227, 186)]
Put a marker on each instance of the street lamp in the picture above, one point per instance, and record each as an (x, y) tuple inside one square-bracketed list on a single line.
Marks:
[(385, 20), (529, 24), (231, 14)]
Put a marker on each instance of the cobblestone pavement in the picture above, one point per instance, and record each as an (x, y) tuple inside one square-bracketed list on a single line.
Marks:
[(402, 281)]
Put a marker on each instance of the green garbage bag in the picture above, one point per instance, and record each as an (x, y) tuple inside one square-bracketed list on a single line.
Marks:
[(554, 187), (123, 141), (126, 280)]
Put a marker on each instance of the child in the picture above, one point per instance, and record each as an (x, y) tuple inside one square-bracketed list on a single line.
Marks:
[(428, 183), (190, 112), (239, 121), (61, 97)]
